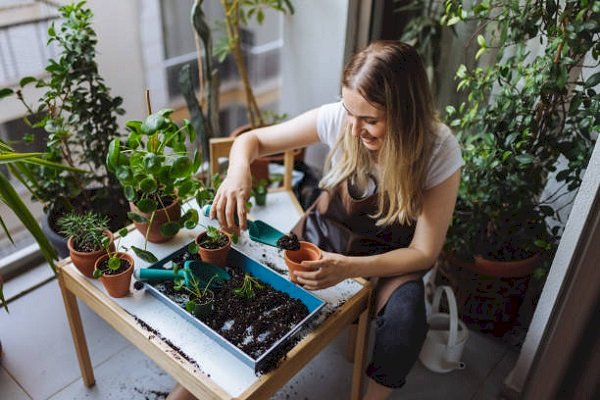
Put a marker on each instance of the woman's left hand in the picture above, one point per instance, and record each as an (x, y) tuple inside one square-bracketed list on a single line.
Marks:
[(330, 270)]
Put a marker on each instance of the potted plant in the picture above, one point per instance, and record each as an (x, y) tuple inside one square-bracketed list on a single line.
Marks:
[(259, 192), (115, 268), (213, 246), (77, 116), (157, 171), (201, 302), (86, 233), (527, 119)]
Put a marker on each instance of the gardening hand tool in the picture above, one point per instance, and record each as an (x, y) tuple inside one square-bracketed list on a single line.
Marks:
[(199, 270), (258, 230)]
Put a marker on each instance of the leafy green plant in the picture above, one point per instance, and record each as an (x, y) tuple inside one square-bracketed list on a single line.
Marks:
[(77, 113), (237, 15), (527, 117), (156, 169), (200, 297), (87, 229), (214, 238), (113, 262), (246, 291)]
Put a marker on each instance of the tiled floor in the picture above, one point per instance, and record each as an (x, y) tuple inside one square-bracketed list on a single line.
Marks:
[(39, 361)]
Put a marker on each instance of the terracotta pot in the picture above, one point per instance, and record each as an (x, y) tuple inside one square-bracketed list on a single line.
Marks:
[(170, 213), (213, 256), (85, 261), (117, 285), (293, 258), (260, 167), (505, 269)]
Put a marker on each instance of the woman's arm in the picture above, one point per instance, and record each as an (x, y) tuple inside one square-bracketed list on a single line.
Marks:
[(430, 233), (235, 190)]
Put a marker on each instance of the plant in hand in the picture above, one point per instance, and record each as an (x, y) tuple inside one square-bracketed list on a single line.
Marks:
[(249, 284), (87, 230)]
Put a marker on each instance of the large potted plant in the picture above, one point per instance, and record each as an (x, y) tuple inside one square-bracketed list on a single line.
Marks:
[(156, 170), (77, 116), (527, 119)]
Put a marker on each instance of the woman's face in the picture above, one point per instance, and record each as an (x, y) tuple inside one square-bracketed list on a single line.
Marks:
[(367, 122)]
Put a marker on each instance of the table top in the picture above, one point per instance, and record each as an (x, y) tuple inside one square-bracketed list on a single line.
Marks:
[(185, 340)]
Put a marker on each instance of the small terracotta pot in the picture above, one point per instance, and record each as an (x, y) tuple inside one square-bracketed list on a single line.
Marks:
[(505, 269), (293, 258), (85, 261), (170, 213), (117, 285), (214, 256)]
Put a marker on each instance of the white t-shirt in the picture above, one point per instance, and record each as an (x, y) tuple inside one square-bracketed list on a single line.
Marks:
[(445, 158)]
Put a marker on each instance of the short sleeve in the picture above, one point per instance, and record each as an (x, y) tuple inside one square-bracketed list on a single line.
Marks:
[(446, 158), (330, 119)]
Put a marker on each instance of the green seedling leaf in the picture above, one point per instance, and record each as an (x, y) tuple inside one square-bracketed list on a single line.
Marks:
[(153, 123), (114, 263), (26, 81), (148, 185), (190, 306), (6, 92), (144, 255), (130, 193), (193, 248), (97, 274), (123, 232)]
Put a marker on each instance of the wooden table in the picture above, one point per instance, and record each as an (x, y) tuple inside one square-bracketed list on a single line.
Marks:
[(188, 355)]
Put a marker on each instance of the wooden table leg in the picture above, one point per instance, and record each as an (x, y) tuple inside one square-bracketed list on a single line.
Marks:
[(362, 337), (83, 355)]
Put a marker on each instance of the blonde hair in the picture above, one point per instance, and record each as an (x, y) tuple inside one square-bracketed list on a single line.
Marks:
[(390, 76)]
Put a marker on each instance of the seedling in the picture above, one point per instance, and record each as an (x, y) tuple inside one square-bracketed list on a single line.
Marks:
[(114, 262), (246, 291), (201, 297)]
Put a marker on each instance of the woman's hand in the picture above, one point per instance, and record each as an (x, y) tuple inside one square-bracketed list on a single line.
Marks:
[(230, 200), (330, 270)]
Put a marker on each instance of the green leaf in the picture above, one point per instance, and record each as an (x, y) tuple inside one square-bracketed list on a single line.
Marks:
[(148, 185), (593, 80), (190, 306), (481, 41), (112, 157), (525, 158), (144, 255), (135, 217), (153, 123), (181, 167), (114, 263), (147, 205), (6, 92), (193, 248), (123, 232), (170, 228), (130, 193), (26, 81), (124, 174)]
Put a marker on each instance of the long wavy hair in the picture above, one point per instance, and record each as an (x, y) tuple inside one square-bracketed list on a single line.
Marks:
[(391, 77)]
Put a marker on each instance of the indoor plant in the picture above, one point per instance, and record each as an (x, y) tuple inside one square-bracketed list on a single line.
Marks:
[(213, 246), (157, 171), (86, 233), (78, 118), (528, 118), (259, 191), (115, 268)]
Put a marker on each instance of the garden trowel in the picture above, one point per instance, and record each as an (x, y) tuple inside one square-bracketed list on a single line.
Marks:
[(201, 271), (258, 230)]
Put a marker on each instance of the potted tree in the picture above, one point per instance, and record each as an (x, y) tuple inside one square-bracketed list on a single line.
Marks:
[(115, 268), (213, 246), (86, 233), (77, 116), (157, 171), (527, 119)]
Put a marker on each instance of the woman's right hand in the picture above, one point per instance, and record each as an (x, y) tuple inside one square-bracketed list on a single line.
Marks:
[(230, 200)]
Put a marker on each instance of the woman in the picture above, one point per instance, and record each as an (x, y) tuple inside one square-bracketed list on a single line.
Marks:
[(388, 198)]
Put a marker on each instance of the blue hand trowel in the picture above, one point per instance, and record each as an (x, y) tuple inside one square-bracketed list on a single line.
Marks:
[(258, 230), (201, 271)]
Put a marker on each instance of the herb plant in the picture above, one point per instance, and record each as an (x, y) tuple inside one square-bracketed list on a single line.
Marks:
[(87, 229), (114, 262)]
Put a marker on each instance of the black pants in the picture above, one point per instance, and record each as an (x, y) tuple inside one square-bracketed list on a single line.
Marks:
[(400, 331)]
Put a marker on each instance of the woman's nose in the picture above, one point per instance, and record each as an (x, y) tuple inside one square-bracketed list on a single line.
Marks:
[(356, 128)]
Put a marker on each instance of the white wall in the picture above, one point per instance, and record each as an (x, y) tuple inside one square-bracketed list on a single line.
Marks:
[(312, 59)]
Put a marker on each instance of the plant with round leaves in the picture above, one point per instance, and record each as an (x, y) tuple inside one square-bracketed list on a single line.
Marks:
[(113, 262), (155, 168)]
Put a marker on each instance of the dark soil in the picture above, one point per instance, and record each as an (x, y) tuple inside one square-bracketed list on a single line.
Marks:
[(252, 325), (212, 244), (288, 242), (107, 271)]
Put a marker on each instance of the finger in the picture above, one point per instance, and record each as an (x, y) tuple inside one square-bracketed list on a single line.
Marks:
[(241, 212), (230, 211), (215, 205)]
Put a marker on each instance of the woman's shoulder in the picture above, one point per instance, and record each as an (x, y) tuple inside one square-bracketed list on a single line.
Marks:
[(330, 118), (445, 156)]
